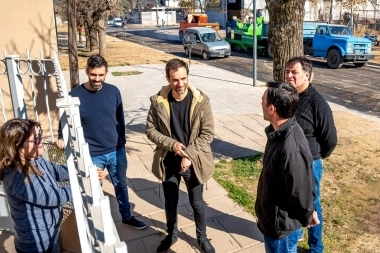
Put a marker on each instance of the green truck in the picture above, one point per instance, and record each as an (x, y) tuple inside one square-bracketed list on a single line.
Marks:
[(242, 40)]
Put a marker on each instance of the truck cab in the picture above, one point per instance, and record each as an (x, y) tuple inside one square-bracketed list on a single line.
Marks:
[(337, 44)]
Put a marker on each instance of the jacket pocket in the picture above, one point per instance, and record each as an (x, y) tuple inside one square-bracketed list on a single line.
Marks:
[(205, 166), (282, 220)]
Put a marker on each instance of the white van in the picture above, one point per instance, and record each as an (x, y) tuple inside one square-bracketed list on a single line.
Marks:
[(208, 43), (117, 22)]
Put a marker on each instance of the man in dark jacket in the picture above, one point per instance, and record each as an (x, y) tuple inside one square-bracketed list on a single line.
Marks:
[(316, 120), (285, 192)]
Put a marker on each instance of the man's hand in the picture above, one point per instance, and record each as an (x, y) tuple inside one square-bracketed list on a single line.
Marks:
[(179, 149), (314, 220), (100, 174), (59, 144), (185, 164)]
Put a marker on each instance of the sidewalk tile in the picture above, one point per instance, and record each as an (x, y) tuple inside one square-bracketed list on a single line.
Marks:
[(220, 206), (242, 227), (213, 190), (259, 248), (144, 182), (220, 239), (136, 246), (181, 246), (127, 233), (185, 218), (146, 202), (137, 170)]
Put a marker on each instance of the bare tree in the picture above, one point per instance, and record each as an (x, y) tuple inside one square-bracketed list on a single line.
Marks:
[(95, 14), (285, 32)]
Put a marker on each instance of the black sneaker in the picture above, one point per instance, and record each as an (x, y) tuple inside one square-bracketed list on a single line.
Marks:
[(206, 246), (133, 222), (166, 244)]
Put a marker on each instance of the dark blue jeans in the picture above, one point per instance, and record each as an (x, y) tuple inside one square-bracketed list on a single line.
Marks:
[(116, 164), (195, 192), (287, 244), (315, 233)]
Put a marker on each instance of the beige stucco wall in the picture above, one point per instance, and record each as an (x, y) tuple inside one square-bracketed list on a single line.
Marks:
[(29, 25)]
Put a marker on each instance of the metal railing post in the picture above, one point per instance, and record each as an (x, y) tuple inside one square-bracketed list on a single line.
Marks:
[(16, 87)]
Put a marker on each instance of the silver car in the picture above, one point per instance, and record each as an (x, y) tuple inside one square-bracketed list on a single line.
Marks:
[(208, 43)]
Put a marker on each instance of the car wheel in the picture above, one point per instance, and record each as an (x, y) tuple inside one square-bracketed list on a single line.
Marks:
[(334, 59), (226, 56), (205, 55), (186, 51)]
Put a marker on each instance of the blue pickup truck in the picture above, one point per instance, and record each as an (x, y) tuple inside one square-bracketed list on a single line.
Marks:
[(336, 44)]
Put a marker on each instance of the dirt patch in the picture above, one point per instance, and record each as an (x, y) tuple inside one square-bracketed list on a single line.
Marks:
[(119, 53)]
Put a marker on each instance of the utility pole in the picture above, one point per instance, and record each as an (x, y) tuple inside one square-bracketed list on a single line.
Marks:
[(157, 11), (73, 48)]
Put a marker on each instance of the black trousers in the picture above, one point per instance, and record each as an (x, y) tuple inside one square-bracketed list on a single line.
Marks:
[(195, 193)]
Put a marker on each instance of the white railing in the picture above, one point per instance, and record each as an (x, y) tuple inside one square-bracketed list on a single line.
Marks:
[(96, 229)]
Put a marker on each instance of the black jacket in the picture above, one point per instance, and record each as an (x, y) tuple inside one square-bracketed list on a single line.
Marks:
[(285, 192)]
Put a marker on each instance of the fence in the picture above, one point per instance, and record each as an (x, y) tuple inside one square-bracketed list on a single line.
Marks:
[(367, 19), (96, 229)]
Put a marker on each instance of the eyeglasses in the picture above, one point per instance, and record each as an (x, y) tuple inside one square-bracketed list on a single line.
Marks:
[(37, 139)]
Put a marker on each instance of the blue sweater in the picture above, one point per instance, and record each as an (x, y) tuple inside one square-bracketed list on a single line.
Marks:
[(102, 118), (36, 206)]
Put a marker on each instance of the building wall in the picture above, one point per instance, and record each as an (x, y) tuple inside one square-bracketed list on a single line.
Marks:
[(29, 25)]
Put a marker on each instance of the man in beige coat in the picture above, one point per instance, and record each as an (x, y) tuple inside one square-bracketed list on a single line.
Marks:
[(181, 124)]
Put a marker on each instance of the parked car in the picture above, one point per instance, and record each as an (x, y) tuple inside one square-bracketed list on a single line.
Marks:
[(109, 21), (208, 43), (117, 22)]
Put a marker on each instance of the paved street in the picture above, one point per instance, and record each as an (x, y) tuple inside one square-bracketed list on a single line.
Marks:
[(355, 88)]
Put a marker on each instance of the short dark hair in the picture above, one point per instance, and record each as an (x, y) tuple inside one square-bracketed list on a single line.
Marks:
[(306, 64), (96, 61), (175, 64), (284, 97)]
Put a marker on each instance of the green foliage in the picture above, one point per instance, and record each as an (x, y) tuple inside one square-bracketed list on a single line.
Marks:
[(247, 167)]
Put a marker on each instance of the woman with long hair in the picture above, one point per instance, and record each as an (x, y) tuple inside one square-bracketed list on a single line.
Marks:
[(30, 183)]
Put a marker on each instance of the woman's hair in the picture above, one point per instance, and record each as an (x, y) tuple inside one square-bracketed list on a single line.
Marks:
[(13, 134)]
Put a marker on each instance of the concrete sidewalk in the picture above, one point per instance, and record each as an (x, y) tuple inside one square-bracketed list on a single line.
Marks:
[(239, 132)]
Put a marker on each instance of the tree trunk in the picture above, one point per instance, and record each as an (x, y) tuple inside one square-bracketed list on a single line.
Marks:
[(87, 32), (93, 39), (102, 26), (79, 28), (285, 32), (92, 33), (73, 47)]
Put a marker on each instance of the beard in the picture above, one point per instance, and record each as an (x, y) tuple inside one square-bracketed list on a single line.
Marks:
[(96, 85), (180, 91)]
